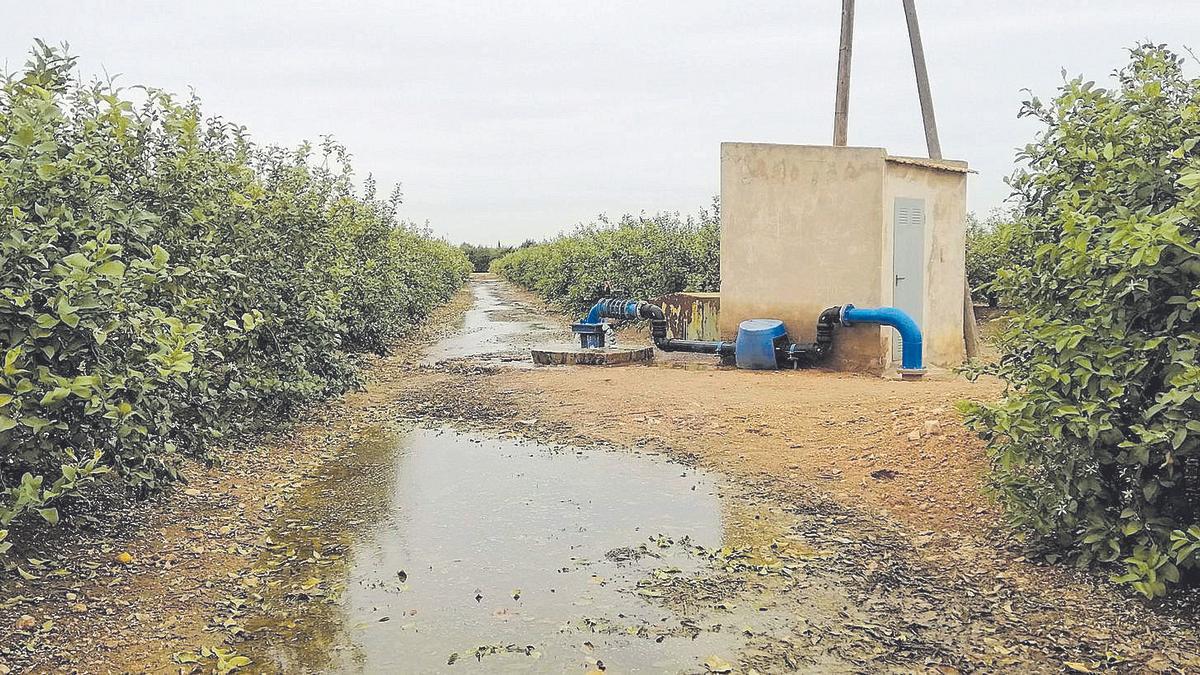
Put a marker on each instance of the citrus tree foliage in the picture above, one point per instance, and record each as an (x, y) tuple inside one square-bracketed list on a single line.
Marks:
[(993, 244), (481, 257), (1096, 444), (646, 256), (166, 285)]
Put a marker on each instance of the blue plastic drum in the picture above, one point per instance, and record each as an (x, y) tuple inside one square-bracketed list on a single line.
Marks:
[(755, 346)]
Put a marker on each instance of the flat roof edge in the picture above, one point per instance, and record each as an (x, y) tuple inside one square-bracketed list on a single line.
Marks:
[(955, 165)]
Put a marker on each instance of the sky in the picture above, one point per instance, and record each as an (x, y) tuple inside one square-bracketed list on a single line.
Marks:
[(503, 121)]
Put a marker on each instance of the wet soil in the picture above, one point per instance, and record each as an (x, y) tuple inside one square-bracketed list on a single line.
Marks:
[(468, 512), (498, 328), (465, 543)]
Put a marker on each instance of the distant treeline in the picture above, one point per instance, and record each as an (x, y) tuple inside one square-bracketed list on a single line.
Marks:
[(646, 256), (481, 257)]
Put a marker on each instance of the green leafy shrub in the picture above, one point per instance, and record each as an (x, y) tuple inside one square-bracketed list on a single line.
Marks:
[(165, 284), (992, 245), (1096, 444), (481, 257), (647, 256)]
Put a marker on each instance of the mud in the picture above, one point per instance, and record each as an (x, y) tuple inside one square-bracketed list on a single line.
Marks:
[(469, 512), (467, 542), (787, 580)]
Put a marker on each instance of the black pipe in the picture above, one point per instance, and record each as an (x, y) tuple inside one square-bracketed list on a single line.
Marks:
[(658, 333), (829, 318), (658, 320), (809, 353), (696, 346)]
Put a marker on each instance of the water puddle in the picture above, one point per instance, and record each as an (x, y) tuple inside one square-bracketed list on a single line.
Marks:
[(494, 331), (430, 550)]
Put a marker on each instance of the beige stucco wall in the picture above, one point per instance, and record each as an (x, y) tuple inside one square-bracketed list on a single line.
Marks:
[(808, 227), (944, 193), (800, 231)]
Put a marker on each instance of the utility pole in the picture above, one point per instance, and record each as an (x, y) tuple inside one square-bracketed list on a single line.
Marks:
[(918, 54), (970, 328), (841, 105)]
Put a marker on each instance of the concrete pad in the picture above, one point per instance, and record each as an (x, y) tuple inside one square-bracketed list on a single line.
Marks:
[(578, 356)]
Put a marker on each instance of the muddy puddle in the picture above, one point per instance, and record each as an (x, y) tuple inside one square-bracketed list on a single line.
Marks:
[(421, 547), (429, 550), (435, 550), (495, 331)]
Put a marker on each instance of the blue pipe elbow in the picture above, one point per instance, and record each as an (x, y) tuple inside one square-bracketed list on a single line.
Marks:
[(910, 333), (594, 314)]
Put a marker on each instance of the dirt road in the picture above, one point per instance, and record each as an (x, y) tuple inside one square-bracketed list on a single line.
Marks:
[(469, 512)]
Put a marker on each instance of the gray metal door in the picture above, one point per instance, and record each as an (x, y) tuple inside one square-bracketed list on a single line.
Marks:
[(908, 262)]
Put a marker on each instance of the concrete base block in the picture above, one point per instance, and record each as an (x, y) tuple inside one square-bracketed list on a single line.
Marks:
[(578, 356)]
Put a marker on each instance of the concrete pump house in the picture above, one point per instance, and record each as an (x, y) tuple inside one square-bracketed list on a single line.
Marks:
[(807, 227)]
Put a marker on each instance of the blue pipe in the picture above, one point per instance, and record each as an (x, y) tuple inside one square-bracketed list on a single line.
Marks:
[(590, 328), (612, 309), (910, 332), (593, 315)]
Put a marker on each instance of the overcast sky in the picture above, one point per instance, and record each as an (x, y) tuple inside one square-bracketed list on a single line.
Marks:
[(511, 120)]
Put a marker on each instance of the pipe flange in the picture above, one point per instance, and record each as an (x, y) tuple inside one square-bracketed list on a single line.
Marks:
[(842, 314), (585, 328)]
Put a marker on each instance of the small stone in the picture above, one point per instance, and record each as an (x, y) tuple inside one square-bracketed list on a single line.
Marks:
[(79, 608), (914, 435), (933, 427), (26, 622), (72, 597), (124, 557)]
